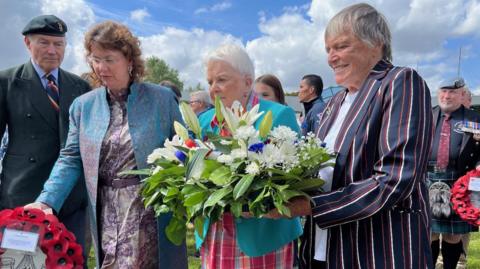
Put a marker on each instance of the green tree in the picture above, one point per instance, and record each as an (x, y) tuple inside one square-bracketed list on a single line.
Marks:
[(198, 87), (158, 70)]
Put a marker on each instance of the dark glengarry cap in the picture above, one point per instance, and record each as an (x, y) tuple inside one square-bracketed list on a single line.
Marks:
[(453, 83), (45, 25)]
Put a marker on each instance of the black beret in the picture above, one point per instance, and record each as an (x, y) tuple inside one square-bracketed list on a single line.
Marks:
[(45, 25)]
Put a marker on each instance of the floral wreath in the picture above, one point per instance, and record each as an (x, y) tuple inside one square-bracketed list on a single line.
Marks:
[(461, 199), (55, 240)]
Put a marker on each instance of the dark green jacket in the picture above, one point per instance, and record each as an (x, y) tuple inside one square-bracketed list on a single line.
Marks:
[(36, 134)]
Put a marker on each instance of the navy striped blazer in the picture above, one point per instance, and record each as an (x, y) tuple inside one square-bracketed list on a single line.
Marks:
[(377, 212)]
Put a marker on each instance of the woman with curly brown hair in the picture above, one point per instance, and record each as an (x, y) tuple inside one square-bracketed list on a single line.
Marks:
[(113, 129)]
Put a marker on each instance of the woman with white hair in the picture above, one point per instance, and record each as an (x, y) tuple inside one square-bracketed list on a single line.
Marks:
[(244, 242), (380, 126)]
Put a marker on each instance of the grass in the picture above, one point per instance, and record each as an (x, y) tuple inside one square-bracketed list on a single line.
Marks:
[(473, 261)]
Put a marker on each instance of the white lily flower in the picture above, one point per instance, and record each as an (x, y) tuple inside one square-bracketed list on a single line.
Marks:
[(226, 159), (236, 116), (238, 153)]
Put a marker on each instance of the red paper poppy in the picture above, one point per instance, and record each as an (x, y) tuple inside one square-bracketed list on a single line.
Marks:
[(55, 240), (461, 199)]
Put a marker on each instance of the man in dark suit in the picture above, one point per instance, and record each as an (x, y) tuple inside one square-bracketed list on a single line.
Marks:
[(34, 102), (454, 153)]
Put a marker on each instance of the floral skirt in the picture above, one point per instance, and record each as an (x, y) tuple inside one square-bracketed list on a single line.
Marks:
[(128, 232), (220, 250)]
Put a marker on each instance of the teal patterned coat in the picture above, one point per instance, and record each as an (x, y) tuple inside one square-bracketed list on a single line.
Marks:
[(151, 112)]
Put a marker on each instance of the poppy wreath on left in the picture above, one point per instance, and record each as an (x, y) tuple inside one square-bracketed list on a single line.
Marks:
[(58, 244), (460, 198)]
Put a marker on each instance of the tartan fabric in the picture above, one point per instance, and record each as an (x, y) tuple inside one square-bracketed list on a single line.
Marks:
[(220, 250)]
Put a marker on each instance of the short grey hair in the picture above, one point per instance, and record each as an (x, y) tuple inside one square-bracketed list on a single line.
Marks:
[(467, 91), (201, 96), (366, 23), (234, 55)]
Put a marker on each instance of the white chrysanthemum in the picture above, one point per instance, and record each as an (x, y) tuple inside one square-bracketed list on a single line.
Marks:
[(270, 156), (226, 159), (252, 168), (238, 154), (283, 133), (245, 133), (289, 157)]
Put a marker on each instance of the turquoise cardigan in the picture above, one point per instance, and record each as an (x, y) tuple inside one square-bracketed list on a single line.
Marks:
[(257, 237), (151, 111)]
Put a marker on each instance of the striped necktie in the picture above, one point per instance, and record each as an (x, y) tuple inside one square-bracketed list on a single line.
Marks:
[(52, 92)]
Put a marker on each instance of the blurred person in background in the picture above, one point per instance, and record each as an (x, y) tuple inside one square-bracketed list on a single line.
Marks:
[(310, 95), (174, 88), (270, 88), (200, 102)]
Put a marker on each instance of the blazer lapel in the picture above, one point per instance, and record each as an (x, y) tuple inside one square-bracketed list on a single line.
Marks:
[(436, 114), (30, 82), (330, 114), (358, 112)]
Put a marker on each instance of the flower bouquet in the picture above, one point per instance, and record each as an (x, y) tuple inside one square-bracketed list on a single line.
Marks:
[(241, 170), (53, 239)]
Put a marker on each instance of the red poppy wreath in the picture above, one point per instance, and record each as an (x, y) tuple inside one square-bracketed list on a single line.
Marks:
[(55, 241), (461, 199)]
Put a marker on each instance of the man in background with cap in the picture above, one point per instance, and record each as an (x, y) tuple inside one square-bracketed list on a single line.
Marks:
[(454, 152), (34, 102)]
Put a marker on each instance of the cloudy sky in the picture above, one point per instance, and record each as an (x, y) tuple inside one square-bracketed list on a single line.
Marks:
[(283, 37)]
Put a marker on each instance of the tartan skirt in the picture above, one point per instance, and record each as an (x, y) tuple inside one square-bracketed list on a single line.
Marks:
[(220, 250)]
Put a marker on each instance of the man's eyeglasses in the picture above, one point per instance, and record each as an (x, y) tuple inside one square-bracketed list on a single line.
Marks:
[(194, 101)]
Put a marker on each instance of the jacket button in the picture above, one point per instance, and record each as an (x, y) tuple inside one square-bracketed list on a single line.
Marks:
[(32, 159), (33, 137), (471, 154), (466, 167), (28, 115)]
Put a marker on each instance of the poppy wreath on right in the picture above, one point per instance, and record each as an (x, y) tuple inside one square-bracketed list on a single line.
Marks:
[(461, 199)]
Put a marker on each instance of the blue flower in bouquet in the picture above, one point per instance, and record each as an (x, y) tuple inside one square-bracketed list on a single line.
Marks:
[(180, 156), (257, 147)]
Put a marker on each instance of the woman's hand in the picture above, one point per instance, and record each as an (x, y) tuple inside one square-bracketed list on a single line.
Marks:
[(299, 206), (38, 205)]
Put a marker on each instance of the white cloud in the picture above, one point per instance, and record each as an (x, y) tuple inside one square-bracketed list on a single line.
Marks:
[(290, 45), (139, 15), (185, 50), (14, 15), (472, 20), (476, 91), (215, 8)]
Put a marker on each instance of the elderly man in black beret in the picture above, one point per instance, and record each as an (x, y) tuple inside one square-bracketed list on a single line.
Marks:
[(34, 102), (455, 151)]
